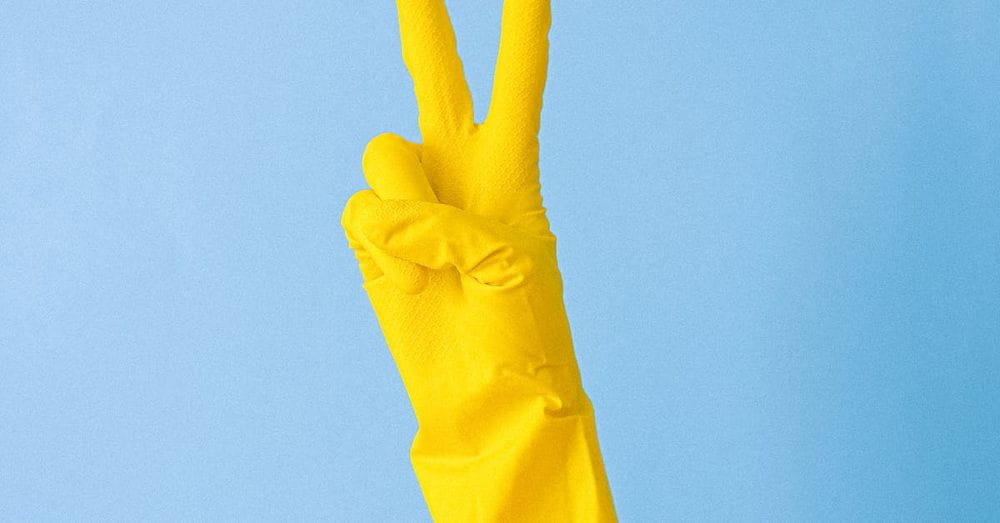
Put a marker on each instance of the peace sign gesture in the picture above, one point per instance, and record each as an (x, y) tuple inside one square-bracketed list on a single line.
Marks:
[(460, 267), (488, 169)]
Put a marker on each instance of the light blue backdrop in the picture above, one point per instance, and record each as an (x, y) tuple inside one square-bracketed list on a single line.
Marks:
[(778, 225)]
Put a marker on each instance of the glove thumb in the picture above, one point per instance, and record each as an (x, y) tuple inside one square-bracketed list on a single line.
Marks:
[(438, 236)]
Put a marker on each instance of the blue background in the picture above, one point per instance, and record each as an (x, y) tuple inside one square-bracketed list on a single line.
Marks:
[(779, 229)]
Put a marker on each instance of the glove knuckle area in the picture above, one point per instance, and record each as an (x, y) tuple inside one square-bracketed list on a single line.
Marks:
[(370, 216), (355, 209), (391, 222), (349, 221)]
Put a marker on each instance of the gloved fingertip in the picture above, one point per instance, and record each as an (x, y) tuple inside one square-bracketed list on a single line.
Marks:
[(357, 206)]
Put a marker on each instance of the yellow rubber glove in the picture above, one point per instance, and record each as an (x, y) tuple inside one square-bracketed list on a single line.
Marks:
[(460, 267)]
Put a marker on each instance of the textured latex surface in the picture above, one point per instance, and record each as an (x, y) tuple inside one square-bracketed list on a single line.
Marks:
[(460, 267)]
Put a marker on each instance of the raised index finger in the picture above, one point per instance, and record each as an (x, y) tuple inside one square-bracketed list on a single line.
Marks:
[(430, 54), (522, 62)]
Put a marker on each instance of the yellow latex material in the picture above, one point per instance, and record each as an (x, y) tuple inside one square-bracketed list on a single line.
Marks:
[(460, 267)]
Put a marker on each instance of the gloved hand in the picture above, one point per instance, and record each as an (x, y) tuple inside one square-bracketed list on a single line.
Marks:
[(460, 267)]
